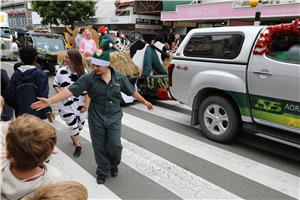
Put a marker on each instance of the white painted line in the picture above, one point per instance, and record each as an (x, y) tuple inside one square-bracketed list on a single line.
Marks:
[(278, 140), (9, 63), (268, 176), (74, 172), (175, 103), (172, 177), (166, 113)]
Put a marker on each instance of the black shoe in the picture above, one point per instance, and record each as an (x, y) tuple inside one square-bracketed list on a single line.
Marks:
[(114, 172), (77, 152), (72, 140), (101, 179)]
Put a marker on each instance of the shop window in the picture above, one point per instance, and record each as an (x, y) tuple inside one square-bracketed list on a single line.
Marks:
[(25, 18), (9, 23), (22, 19), (12, 20), (286, 48), (19, 18), (17, 24), (214, 46)]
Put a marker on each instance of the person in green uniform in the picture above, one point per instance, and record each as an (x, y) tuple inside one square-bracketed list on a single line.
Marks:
[(103, 86), (104, 35)]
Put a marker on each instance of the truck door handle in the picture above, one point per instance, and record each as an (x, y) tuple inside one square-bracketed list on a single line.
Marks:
[(263, 73)]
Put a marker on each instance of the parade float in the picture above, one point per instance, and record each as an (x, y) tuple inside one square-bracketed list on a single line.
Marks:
[(131, 64)]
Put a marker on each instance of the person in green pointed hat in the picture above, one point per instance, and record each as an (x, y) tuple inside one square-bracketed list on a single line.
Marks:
[(104, 86)]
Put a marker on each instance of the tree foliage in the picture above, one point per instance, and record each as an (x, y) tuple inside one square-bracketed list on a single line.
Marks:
[(64, 12)]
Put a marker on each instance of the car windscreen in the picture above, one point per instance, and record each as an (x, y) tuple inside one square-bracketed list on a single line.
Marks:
[(5, 32), (49, 43)]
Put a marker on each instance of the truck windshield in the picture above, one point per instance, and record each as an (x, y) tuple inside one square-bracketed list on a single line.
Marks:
[(49, 43), (5, 32)]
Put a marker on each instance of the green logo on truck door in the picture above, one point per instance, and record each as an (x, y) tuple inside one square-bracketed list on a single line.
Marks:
[(269, 106), (276, 110)]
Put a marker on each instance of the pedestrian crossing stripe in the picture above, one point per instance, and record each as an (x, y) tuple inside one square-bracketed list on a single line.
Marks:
[(268, 176), (167, 174), (74, 172)]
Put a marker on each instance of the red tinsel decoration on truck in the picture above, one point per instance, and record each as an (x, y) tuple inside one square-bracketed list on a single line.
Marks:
[(265, 41)]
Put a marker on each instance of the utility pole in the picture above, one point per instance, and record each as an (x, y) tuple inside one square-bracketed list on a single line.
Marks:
[(258, 10)]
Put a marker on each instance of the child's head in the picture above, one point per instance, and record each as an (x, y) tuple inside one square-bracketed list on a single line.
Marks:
[(87, 34), (30, 141), (28, 55), (74, 57), (64, 190)]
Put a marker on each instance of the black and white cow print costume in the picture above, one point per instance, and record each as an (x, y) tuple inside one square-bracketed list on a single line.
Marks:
[(69, 109)]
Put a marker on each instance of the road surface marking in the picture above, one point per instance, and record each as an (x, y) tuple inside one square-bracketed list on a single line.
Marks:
[(74, 172), (172, 177), (166, 113), (281, 181)]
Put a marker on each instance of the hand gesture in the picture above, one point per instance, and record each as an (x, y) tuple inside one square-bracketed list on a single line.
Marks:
[(83, 109), (149, 105), (39, 105)]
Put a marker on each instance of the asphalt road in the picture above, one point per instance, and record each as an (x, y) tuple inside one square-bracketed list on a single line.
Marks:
[(165, 158)]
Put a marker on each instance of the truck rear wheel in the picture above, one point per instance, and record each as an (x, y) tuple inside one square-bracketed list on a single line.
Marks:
[(219, 120)]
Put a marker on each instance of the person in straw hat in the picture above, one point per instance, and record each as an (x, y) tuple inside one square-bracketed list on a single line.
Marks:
[(104, 86)]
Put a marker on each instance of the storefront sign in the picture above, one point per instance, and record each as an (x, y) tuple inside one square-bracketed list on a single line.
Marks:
[(148, 26), (155, 22), (125, 27), (240, 23), (142, 21), (114, 20), (225, 10), (94, 20), (167, 30)]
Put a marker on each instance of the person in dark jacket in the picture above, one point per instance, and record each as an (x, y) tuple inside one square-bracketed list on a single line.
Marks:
[(27, 83), (8, 112)]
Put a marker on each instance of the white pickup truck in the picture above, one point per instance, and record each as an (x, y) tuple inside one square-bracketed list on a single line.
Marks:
[(240, 78)]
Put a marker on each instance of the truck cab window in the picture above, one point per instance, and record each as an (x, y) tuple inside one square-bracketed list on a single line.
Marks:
[(214, 46), (5, 32), (286, 48), (29, 40)]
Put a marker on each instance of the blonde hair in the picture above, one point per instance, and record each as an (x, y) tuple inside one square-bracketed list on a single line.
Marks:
[(2, 101), (64, 190), (177, 35), (30, 141), (167, 45)]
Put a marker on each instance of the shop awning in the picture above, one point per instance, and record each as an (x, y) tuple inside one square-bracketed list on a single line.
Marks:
[(21, 31)]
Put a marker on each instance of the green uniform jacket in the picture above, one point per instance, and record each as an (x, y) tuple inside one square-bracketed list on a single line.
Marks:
[(105, 106)]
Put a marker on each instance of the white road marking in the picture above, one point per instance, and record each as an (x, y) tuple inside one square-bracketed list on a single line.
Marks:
[(74, 172), (172, 177), (268, 176), (166, 113), (9, 63), (175, 103)]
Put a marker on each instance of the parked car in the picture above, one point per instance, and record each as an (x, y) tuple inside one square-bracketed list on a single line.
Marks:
[(48, 45), (240, 78)]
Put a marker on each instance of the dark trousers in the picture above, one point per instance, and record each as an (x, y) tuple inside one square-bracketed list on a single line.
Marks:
[(107, 146)]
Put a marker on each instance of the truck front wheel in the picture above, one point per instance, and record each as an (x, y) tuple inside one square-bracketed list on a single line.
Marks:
[(219, 120)]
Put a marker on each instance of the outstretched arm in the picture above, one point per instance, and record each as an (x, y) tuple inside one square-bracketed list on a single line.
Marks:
[(43, 103), (141, 99)]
